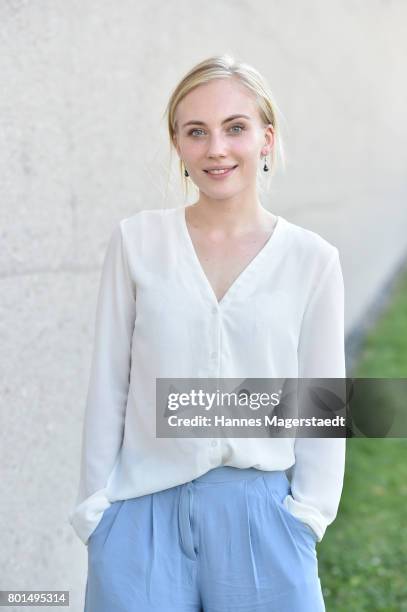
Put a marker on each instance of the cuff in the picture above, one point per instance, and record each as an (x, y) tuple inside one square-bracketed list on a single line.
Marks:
[(85, 517), (308, 515)]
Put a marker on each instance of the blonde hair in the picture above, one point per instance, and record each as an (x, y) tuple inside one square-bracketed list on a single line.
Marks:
[(226, 66)]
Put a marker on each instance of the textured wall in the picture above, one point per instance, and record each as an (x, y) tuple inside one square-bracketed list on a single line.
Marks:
[(83, 144)]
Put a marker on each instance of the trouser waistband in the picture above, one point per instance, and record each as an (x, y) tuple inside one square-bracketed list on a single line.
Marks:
[(226, 473)]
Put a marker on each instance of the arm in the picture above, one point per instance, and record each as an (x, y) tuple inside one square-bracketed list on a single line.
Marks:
[(108, 385), (317, 476)]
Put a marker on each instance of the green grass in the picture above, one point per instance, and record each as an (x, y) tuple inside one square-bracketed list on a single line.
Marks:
[(384, 354), (363, 555)]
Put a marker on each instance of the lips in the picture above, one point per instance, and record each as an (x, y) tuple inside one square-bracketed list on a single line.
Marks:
[(220, 170)]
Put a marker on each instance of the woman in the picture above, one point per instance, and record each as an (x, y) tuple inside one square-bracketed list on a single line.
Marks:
[(219, 289)]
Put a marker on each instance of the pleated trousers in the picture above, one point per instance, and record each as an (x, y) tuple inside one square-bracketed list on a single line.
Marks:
[(223, 542)]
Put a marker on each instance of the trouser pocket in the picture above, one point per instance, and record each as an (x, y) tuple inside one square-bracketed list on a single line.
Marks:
[(100, 534), (276, 497)]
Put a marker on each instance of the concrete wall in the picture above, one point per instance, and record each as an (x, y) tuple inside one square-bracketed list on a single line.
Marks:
[(83, 144)]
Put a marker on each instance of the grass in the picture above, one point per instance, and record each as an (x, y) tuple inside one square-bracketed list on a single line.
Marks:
[(384, 354), (363, 555)]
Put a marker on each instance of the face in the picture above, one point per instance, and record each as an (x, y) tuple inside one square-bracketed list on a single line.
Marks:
[(212, 139)]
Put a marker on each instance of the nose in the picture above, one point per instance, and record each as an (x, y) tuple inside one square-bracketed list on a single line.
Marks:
[(216, 146)]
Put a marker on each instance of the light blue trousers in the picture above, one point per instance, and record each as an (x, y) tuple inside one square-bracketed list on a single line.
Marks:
[(223, 542)]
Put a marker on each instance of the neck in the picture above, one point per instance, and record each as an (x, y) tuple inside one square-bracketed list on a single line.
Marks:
[(230, 215)]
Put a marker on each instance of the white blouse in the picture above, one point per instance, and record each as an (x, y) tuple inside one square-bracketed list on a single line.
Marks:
[(157, 316)]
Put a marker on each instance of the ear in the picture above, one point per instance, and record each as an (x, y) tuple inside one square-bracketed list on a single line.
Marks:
[(269, 139), (175, 143)]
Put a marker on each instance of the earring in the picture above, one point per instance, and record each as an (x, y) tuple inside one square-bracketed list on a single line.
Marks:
[(186, 172), (265, 167)]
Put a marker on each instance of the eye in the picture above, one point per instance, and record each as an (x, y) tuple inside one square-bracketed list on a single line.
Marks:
[(191, 132), (240, 130)]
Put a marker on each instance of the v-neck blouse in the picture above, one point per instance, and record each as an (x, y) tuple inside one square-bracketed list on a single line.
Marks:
[(157, 316), (240, 279)]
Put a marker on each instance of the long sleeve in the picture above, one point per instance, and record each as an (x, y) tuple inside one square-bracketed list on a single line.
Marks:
[(317, 476), (108, 387)]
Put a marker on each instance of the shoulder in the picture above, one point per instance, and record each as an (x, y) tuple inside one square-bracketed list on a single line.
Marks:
[(148, 233), (309, 247), (147, 220)]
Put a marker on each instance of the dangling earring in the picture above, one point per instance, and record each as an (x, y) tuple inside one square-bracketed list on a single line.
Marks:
[(186, 172), (265, 167)]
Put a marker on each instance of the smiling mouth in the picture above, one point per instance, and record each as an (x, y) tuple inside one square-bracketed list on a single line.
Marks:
[(222, 172)]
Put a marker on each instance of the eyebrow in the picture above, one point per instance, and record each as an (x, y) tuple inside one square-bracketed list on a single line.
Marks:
[(224, 121)]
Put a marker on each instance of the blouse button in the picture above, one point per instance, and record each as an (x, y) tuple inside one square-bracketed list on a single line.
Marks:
[(214, 443), (214, 310)]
